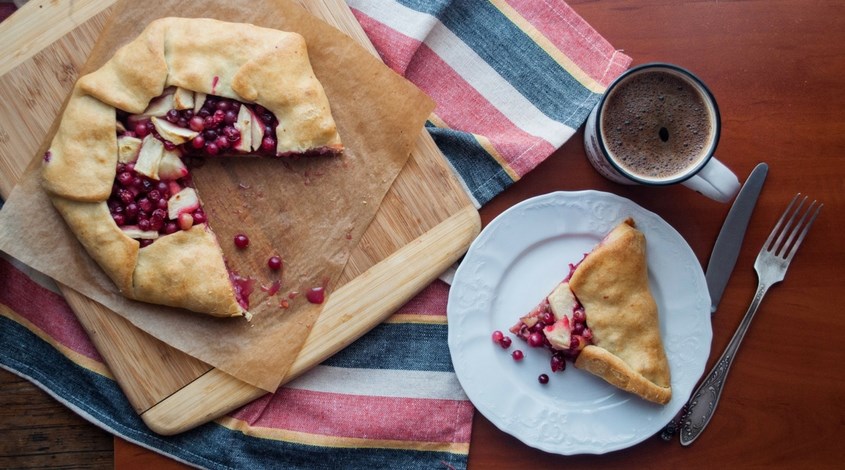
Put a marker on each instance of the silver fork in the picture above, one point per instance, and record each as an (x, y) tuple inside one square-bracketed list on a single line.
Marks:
[(771, 265)]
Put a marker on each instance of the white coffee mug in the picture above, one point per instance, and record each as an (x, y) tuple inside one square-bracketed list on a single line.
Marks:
[(637, 133)]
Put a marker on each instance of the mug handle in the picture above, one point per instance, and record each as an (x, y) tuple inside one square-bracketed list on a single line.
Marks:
[(715, 181)]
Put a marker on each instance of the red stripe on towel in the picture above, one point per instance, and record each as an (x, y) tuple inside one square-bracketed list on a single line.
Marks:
[(45, 309), (366, 417)]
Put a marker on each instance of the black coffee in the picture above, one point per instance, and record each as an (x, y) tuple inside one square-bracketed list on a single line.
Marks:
[(656, 125)]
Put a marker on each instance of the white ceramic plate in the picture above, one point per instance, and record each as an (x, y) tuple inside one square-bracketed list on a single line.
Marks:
[(517, 260)]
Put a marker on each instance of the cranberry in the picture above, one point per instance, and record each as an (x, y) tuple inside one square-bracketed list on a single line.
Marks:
[(141, 129), (578, 329), (547, 317), (125, 196), (131, 209), (154, 195), (145, 205), (543, 379), (171, 227), (125, 178), (199, 217), (274, 263), (185, 220), (578, 316), (231, 133), (218, 116), (268, 144), (241, 241), (505, 343), (156, 223), (316, 295), (169, 145), (198, 142), (119, 219), (172, 116), (144, 224), (196, 124), (182, 122), (587, 334), (517, 355), (497, 336), (574, 342), (145, 242), (224, 105), (212, 149), (230, 117), (222, 142), (536, 339), (558, 363)]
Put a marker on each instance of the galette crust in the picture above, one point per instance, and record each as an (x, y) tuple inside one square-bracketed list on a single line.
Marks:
[(612, 285), (233, 60)]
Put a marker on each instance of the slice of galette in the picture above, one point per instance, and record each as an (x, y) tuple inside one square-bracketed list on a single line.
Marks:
[(116, 168), (604, 318)]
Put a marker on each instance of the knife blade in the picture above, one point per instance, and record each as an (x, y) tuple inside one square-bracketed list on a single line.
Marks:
[(728, 243), (725, 253)]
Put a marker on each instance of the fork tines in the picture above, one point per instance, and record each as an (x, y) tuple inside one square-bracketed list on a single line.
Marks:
[(791, 244)]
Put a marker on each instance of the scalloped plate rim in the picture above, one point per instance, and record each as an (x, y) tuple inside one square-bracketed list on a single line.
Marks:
[(484, 269)]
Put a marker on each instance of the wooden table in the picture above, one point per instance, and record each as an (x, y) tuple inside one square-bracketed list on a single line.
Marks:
[(776, 68)]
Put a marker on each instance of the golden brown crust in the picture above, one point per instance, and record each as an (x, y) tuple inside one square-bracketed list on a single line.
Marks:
[(81, 161), (238, 61), (102, 238), (612, 285), (186, 262)]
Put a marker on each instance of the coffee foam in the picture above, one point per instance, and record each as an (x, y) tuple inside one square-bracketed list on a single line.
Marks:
[(657, 125)]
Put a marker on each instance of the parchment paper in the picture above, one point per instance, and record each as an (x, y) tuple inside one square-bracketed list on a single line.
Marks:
[(311, 212)]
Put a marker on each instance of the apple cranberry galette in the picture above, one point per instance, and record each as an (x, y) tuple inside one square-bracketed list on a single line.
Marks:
[(604, 318), (116, 167)]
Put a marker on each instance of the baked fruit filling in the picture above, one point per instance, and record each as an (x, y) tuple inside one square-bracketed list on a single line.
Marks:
[(152, 195), (118, 169), (622, 343), (558, 323)]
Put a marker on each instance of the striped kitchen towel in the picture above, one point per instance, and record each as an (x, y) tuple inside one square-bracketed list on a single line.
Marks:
[(513, 80)]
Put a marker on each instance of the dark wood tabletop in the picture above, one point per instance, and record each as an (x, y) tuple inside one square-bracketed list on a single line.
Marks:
[(777, 70)]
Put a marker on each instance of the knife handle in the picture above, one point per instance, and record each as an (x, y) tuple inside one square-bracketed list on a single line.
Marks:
[(702, 405)]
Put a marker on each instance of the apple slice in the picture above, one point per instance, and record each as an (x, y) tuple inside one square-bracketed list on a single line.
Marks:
[(199, 100), (160, 105), (184, 201), (171, 166), (149, 157), (559, 333), (244, 126), (173, 133), (183, 99), (128, 148), (132, 231), (257, 130), (562, 301)]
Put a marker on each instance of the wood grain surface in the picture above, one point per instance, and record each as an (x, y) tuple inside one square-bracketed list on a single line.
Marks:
[(423, 224), (776, 68)]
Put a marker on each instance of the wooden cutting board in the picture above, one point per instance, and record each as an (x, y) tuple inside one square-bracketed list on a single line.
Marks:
[(425, 223)]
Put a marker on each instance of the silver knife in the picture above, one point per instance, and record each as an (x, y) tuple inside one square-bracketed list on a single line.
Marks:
[(725, 252)]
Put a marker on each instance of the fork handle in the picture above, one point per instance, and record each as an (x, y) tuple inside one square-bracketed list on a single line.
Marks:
[(702, 404)]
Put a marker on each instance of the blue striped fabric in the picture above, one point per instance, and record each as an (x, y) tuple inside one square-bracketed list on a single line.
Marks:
[(513, 80)]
